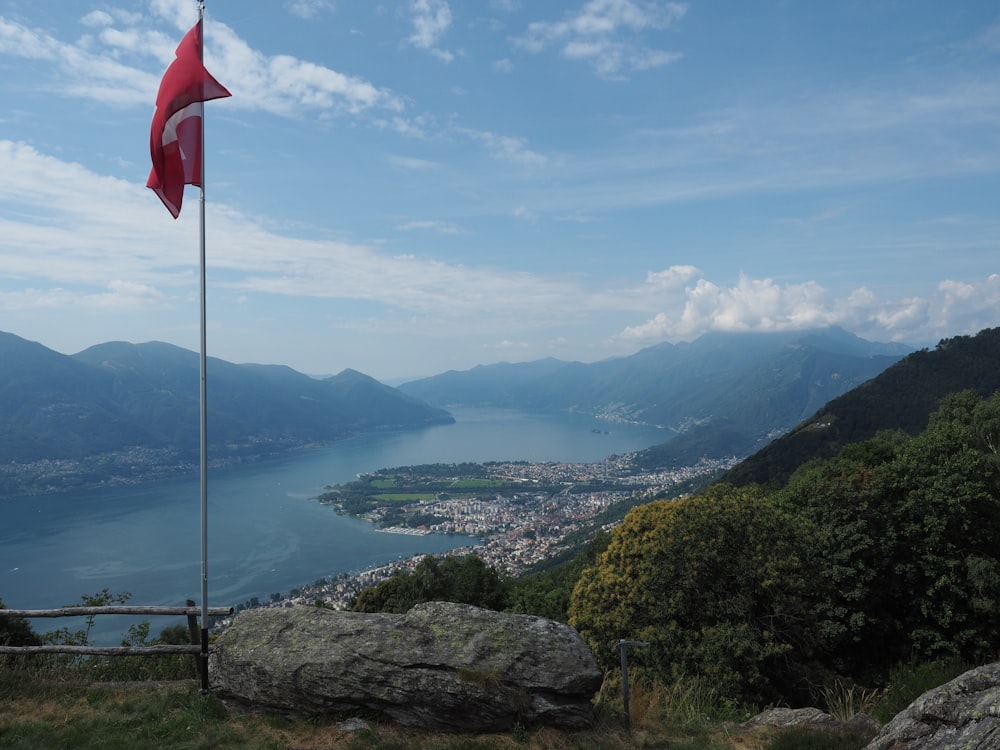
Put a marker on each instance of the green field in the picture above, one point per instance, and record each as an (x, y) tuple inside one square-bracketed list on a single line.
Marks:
[(404, 497), (468, 484)]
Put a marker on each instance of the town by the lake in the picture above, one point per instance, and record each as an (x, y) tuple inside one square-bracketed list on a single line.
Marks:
[(521, 513)]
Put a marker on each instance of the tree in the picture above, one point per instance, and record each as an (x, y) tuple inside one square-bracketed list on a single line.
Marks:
[(858, 618), (911, 527), (466, 580), (944, 492), (16, 631), (720, 585)]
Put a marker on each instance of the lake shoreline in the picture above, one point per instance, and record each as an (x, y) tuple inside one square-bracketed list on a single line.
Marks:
[(267, 533)]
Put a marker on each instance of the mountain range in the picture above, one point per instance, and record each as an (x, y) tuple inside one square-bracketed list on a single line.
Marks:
[(130, 411), (722, 394), (118, 397)]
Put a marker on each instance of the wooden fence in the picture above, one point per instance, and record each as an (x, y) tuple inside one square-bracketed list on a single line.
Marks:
[(190, 611)]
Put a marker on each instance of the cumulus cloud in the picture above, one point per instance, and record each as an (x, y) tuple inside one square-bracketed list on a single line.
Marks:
[(605, 34), (761, 305)]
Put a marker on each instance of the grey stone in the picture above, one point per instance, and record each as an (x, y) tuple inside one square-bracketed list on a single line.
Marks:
[(963, 714), (354, 724), (790, 717), (813, 718), (440, 666)]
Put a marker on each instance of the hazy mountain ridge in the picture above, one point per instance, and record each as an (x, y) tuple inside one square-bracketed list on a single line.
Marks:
[(900, 398), (113, 396), (725, 394), (731, 392)]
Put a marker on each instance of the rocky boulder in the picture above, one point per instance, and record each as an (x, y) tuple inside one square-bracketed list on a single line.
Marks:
[(439, 666), (963, 713)]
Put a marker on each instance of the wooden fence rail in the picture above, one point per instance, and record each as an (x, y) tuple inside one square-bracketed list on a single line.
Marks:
[(103, 650), (114, 610), (190, 611)]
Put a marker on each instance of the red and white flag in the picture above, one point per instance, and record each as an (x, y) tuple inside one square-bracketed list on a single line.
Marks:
[(175, 136)]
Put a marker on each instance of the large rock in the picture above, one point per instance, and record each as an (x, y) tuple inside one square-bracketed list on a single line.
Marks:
[(963, 713), (440, 666)]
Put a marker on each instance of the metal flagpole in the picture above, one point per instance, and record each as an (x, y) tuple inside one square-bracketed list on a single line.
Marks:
[(204, 398)]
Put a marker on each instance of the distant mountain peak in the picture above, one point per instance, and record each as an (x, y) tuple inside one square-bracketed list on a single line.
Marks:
[(139, 399)]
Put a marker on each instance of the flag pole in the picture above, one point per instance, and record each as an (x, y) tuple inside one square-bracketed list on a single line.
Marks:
[(177, 152), (203, 399)]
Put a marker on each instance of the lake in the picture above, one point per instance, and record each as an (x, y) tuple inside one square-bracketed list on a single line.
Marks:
[(266, 531)]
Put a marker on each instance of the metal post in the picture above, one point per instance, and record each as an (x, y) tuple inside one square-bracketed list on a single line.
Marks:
[(622, 647), (203, 393)]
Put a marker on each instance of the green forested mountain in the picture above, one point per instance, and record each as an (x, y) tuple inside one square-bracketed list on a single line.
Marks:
[(117, 396), (901, 398)]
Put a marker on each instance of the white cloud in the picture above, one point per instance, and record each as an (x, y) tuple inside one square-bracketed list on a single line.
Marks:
[(97, 18), (432, 225), (307, 9), (83, 239), (762, 305), (503, 66), (604, 33), (181, 13), (505, 147), (21, 41), (69, 251), (672, 278), (411, 163), (285, 85), (120, 72), (431, 21)]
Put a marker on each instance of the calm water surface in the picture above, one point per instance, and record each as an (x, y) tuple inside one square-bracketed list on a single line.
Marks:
[(266, 531)]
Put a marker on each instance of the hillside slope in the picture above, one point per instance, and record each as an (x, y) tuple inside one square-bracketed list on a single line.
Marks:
[(901, 398), (724, 393)]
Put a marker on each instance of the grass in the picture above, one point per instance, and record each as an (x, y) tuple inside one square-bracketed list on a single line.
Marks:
[(65, 708), (843, 700), (49, 701)]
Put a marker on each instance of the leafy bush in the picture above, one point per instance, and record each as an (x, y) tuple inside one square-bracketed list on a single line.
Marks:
[(16, 631), (466, 580), (721, 587)]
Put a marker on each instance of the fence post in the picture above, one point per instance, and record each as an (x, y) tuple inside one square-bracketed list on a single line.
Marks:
[(622, 646), (194, 634)]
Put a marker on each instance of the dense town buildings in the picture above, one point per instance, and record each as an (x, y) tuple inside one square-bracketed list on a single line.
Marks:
[(515, 530)]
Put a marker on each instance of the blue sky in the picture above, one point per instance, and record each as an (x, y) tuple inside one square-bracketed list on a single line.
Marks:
[(409, 187)]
